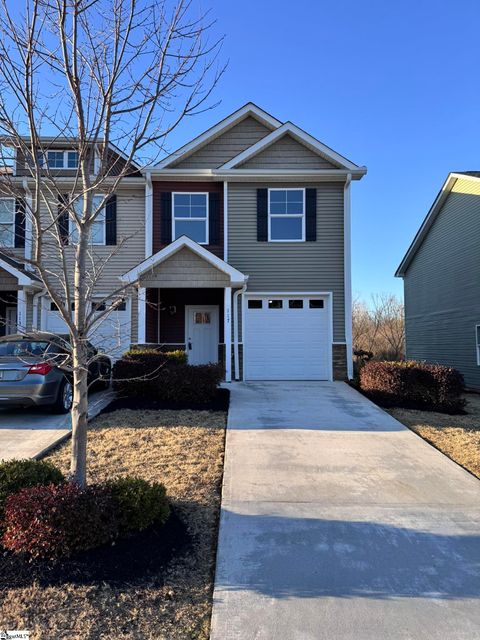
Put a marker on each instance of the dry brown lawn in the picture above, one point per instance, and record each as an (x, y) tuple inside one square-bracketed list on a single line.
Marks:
[(184, 450), (458, 437)]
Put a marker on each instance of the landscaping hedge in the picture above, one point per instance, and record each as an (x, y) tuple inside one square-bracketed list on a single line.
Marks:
[(413, 385), (165, 376), (138, 503)]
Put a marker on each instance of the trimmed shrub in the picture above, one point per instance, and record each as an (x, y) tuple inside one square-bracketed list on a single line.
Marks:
[(20, 474), (138, 503), (57, 520), (165, 376), (413, 385), (179, 355)]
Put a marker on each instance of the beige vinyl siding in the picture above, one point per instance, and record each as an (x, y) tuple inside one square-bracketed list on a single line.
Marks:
[(186, 270), (225, 147), (7, 281), (442, 286), (290, 266), (287, 153), (29, 319)]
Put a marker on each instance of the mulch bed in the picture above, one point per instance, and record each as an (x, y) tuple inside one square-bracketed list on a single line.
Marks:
[(131, 561), (219, 403)]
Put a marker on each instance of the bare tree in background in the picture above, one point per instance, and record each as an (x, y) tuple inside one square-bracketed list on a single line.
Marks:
[(94, 73), (378, 327)]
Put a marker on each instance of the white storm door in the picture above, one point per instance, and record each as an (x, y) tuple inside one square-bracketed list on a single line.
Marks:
[(201, 333)]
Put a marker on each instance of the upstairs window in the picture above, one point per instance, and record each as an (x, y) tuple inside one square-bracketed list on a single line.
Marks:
[(190, 216), (7, 222), (62, 159), (286, 215), (98, 226)]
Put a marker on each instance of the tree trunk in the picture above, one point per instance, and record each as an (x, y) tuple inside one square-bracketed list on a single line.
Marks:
[(78, 465)]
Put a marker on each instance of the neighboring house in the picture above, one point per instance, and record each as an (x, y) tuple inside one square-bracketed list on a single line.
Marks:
[(247, 256), (441, 274), (236, 248), (118, 243)]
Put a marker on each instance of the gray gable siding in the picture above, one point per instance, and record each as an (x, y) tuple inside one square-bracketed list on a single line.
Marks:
[(287, 153), (226, 146), (442, 286), (294, 266)]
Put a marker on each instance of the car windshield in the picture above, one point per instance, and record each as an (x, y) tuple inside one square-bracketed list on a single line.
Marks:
[(23, 348)]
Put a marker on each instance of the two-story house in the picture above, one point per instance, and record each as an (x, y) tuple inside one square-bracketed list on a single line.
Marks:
[(441, 277), (236, 248), (247, 252)]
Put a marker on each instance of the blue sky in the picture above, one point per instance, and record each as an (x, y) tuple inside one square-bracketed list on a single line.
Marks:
[(394, 86)]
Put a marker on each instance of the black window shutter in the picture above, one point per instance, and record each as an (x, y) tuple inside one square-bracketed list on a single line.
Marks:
[(63, 218), (166, 217), (262, 215), (311, 215), (111, 220), (214, 218), (19, 240)]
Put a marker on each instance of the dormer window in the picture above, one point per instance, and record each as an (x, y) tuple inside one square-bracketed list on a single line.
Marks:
[(62, 159)]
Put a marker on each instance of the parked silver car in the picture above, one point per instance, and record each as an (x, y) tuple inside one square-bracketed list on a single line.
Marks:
[(34, 371)]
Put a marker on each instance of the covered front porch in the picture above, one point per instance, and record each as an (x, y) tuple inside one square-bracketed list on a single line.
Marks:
[(186, 300), (18, 299)]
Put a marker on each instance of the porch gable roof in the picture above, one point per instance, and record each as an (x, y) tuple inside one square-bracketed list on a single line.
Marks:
[(18, 271), (237, 278)]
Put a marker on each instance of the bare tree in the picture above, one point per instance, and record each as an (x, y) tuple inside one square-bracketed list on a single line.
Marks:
[(97, 74), (378, 327)]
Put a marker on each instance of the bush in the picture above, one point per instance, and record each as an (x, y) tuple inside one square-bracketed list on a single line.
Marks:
[(20, 474), (57, 520), (138, 503), (165, 376), (413, 385)]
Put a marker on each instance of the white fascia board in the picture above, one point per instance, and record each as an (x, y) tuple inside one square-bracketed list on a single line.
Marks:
[(427, 223), (242, 175), (236, 277), (227, 123), (302, 137), (22, 278)]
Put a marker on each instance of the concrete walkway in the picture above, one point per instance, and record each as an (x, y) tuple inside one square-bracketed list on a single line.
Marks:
[(29, 433), (338, 523)]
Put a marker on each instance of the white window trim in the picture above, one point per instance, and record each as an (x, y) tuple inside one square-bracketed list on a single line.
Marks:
[(65, 158), (12, 245), (206, 220), (286, 215), (477, 342), (72, 228)]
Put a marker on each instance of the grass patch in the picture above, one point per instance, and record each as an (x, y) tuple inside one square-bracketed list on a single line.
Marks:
[(457, 436), (184, 450)]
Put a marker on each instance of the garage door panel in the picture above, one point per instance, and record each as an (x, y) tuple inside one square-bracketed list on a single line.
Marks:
[(287, 343)]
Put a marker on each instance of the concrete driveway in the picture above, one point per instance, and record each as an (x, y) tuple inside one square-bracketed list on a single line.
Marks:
[(339, 523), (28, 433)]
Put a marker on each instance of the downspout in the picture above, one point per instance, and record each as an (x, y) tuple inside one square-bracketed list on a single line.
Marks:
[(35, 300), (235, 330), (347, 249)]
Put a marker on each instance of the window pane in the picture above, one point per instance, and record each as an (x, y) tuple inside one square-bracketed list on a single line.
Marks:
[(182, 199), (182, 211), (255, 304), (97, 232), (295, 304), (275, 304), (295, 208), (279, 195), (199, 211), (277, 208), (72, 159), (198, 199), (295, 196), (195, 229), (55, 159), (316, 304), (286, 228), (6, 235), (7, 210)]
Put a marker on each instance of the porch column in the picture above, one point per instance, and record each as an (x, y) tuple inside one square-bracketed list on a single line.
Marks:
[(21, 310), (141, 339), (227, 333)]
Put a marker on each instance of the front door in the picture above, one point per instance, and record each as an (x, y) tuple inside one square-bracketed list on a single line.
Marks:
[(201, 333), (10, 320)]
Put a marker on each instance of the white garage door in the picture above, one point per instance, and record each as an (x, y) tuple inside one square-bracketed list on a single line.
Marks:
[(112, 334), (287, 338)]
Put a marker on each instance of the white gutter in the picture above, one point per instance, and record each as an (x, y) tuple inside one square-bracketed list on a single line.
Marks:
[(148, 215), (347, 262), (28, 222), (225, 220), (235, 330)]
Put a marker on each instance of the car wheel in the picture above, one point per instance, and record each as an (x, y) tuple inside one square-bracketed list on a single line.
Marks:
[(64, 398)]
